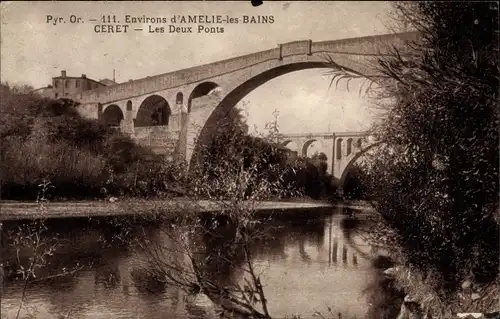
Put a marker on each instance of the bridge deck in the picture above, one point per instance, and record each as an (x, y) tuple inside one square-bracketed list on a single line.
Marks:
[(368, 46), (322, 134), (30, 210)]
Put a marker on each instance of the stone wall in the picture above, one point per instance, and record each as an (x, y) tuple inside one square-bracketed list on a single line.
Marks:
[(161, 139)]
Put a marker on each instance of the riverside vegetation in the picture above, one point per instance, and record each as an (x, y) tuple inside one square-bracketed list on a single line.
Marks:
[(256, 171), (44, 139), (433, 184), (49, 145)]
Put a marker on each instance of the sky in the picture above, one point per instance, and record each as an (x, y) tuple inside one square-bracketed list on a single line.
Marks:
[(33, 50)]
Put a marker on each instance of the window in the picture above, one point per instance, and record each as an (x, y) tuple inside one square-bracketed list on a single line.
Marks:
[(179, 98), (66, 84), (77, 83), (56, 83), (57, 95)]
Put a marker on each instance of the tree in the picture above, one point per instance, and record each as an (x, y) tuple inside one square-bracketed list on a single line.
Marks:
[(435, 180), (238, 173), (354, 186), (46, 139)]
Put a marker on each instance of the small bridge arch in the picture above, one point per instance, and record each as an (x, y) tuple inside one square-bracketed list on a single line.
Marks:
[(335, 147), (153, 111), (202, 89), (112, 115), (306, 146)]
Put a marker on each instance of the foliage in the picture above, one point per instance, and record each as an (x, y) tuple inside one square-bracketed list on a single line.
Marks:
[(354, 185), (435, 181), (34, 248), (233, 149), (238, 173), (198, 247), (310, 175), (48, 139)]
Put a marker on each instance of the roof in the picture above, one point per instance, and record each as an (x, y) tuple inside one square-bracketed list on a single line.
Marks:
[(107, 82)]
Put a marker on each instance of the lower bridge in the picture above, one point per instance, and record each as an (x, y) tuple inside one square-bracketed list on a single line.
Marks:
[(341, 149)]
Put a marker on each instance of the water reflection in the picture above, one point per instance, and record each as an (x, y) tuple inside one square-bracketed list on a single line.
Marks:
[(306, 262)]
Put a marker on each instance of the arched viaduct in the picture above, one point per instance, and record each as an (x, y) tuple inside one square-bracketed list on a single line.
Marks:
[(342, 149), (176, 112)]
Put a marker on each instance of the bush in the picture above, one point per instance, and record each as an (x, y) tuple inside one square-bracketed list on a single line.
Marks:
[(354, 185), (232, 149), (44, 139), (435, 182)]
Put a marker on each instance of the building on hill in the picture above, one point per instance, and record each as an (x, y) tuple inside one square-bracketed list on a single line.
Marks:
[(64, 86)]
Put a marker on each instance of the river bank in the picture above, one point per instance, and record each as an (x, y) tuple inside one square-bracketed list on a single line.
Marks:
[(18, 210)]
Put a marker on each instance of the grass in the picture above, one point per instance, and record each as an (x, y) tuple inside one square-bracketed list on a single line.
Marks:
[(422, 288)]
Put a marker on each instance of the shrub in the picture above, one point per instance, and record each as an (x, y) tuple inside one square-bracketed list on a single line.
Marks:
[(435, 182), (44, 139), (233, 149)]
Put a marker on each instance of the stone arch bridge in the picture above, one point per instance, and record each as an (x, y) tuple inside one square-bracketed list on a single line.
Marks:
[(176, 112), (342, 149)]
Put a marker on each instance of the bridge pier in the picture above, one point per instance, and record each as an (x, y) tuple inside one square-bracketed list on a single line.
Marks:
[(128, 126)]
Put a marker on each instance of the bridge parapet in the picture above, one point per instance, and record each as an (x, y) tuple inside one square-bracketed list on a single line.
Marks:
[(174, 79), (366, 46), (295, 48), (325, 135), (370, 45)]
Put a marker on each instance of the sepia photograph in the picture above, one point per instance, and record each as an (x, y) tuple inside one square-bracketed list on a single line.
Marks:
[(249, 160)]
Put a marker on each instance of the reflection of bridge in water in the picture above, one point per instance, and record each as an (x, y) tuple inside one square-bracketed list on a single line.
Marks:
[(341, 251), (306, 263), (320, 242)]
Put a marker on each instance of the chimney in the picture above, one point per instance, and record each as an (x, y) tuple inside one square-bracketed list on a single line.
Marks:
[(84, 76), (63, 73)]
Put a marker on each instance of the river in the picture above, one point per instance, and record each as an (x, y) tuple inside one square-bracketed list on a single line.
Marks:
[(306, 265)]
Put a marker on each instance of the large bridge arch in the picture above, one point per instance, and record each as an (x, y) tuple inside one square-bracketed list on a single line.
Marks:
[(356, 56), (235, 95), (353, 160)]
